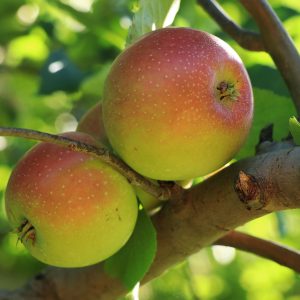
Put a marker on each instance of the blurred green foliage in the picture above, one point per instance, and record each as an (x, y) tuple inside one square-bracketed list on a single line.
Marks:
[(54, 56)]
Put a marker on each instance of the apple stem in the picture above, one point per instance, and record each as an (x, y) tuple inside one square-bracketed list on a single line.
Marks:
[(26, 232)]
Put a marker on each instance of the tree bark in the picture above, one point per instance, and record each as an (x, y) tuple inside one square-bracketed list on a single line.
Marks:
[(205, 213)]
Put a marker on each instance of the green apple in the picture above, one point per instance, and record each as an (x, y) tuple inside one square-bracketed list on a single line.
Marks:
[(177, 104), (69, 209)]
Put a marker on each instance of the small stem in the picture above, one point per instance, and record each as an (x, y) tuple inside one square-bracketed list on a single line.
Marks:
[(26, 231), (281, 254), (278, 44), (245, 38), (161, 193)]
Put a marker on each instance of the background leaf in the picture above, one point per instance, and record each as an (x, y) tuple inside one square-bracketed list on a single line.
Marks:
[(132, 262), (268, 78), (269, 108)]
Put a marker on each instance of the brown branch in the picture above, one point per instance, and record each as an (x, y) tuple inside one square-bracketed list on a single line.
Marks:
[(281, 254), (247, 39), (161, 193), (206, 213), (278, 44), (273, 38)]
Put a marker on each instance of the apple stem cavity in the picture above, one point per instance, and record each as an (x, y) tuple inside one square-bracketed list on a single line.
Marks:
[(227, 90), (26, 232)]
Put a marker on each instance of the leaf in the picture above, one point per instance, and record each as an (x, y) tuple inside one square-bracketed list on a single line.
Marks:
[(268, 108), (295, 129), (132, 262), (151, 15), (268, 78)]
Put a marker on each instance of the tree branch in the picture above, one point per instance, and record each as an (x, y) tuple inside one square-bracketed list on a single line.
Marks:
[(281, 254), (273, 38), (278, 44), (161, 193), (205, 213), (247, 39)]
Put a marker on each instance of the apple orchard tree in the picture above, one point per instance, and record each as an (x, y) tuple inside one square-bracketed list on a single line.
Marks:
[(188, 218)]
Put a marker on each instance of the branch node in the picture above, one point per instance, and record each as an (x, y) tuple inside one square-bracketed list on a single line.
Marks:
[(172, 191), (249, 191), (265, 139), (266, 134)]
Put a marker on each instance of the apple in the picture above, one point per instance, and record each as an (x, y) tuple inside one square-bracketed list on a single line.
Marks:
[(92, 123), (69, 209), (177, 104)]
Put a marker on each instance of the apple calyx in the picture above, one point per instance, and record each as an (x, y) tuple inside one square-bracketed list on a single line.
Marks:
[(227, 90), (26, 232)]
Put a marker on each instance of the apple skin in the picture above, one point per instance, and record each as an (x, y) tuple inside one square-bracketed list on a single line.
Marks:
[(177, 104), (92, 124), (82, 210)]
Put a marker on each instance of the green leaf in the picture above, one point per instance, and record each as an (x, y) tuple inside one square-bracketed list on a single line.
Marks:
[(132, 262), (295, 129), (151, 15), (268, 78), (269, 108)]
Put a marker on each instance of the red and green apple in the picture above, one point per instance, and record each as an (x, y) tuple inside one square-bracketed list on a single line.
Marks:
[(69, 209), (177, 104)]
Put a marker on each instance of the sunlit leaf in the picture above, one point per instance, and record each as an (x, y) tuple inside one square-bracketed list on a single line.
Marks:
[(31, 47), (295, 129), (4, 175), (151, 15)]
